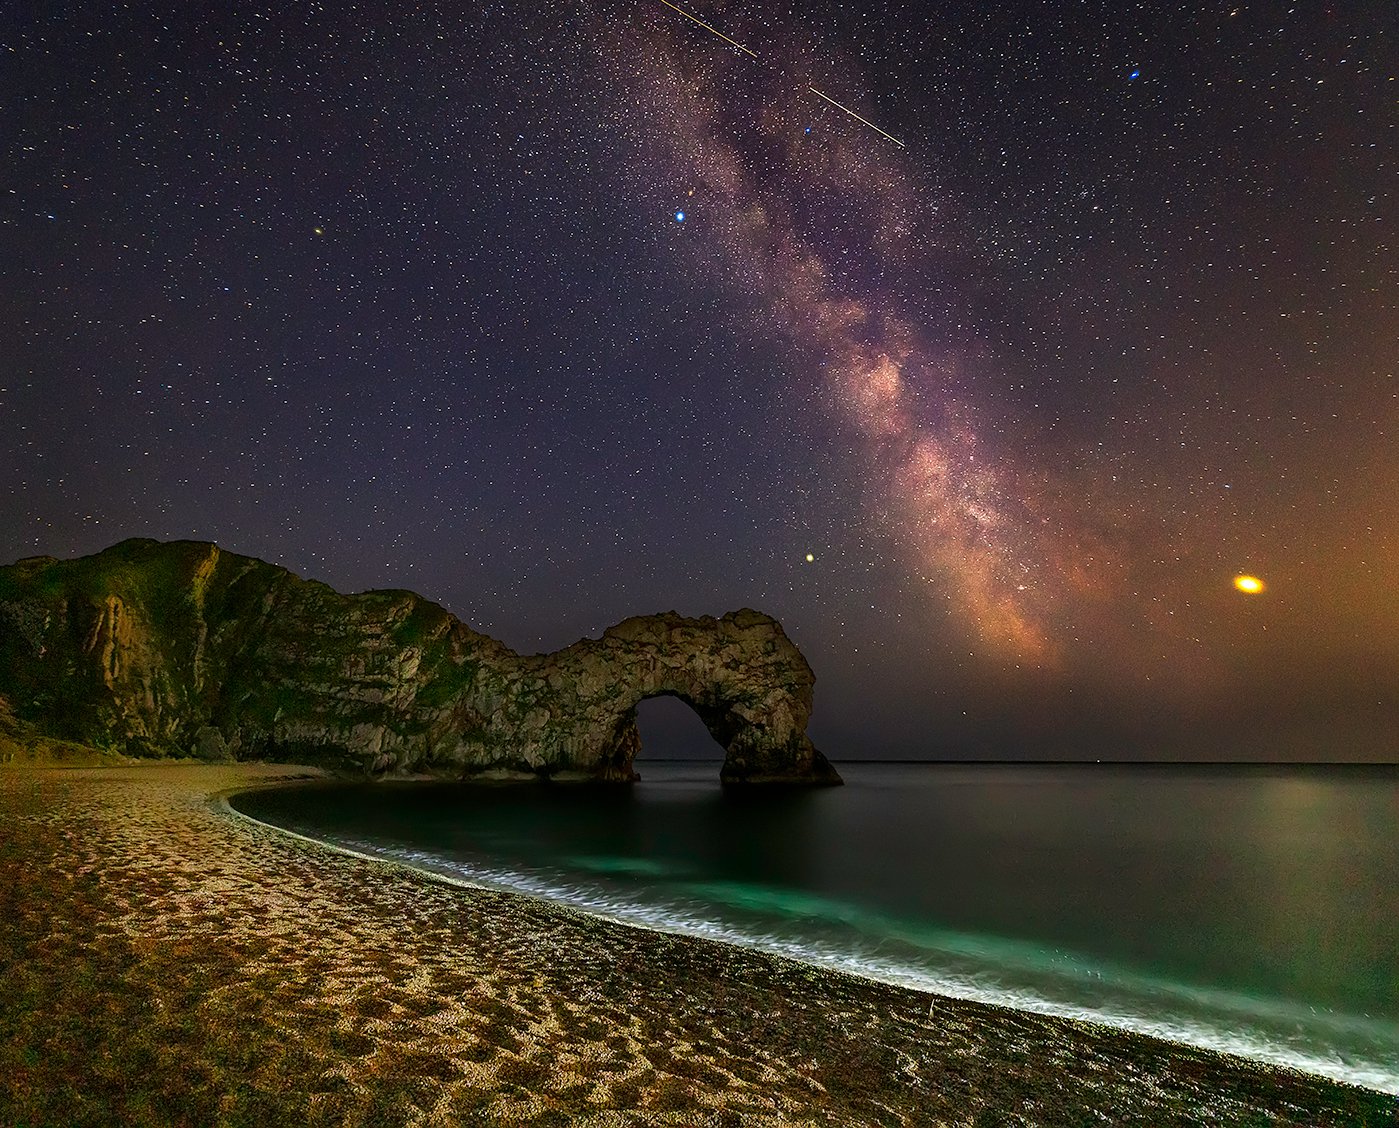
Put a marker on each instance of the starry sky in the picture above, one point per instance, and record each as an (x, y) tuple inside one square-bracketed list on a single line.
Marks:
[(982, 344)]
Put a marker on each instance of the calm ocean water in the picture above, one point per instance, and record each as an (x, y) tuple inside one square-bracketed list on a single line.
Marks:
[(1249, 909)]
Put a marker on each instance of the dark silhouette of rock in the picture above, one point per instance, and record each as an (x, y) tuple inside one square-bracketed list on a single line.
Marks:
[(184, 649)]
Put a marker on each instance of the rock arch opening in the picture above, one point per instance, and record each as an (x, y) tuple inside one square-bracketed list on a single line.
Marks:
[(670, 729), (763, 741)]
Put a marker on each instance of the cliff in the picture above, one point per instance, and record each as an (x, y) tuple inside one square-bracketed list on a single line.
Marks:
[(153, 649)]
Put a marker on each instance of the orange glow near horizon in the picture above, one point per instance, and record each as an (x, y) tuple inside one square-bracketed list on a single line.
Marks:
[(1249, 585)]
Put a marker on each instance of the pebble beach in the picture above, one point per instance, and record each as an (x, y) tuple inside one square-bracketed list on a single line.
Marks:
[(165, 960)]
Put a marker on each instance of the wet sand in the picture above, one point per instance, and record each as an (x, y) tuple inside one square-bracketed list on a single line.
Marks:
[(165, 961)]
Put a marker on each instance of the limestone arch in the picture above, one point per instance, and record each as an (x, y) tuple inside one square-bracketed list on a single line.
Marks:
[(761, 742)]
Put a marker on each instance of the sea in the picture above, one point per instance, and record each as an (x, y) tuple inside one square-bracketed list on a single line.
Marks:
[(1244, 908)]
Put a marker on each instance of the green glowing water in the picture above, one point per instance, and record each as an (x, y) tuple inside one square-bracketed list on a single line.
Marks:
[(1248, 909)]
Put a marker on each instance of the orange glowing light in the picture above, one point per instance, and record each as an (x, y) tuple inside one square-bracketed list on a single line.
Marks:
[(1249, 585)]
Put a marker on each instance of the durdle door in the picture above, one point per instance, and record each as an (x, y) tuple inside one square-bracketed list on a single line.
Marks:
[(181, 648)]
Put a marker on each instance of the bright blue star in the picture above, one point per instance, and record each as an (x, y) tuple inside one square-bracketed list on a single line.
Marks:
[(679, 217), (1134, 75)]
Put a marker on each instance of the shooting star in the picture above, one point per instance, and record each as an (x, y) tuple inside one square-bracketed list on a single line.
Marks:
[(852, 113), (716, 31)]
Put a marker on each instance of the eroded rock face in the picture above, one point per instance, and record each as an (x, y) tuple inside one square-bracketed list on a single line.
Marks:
[(184, 649)]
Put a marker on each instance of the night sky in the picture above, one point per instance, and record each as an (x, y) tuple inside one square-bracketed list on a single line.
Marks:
[(562, 312)]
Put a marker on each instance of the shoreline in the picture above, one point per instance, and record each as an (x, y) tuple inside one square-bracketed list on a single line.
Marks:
[(1026, 1003), (350, 983)]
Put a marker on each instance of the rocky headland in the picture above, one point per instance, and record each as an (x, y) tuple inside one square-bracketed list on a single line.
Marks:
[(154, 649)]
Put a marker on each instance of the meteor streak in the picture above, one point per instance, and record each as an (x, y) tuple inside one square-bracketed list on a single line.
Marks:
[(852, 113), (754, 54), (716, 31)]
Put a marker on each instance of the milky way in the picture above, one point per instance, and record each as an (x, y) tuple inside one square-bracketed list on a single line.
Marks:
[(739, 133)]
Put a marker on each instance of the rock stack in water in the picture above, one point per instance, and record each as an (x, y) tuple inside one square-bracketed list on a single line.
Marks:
[(183, 649)]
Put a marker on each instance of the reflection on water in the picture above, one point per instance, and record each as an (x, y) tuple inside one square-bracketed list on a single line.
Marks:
[(1241, 908)]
